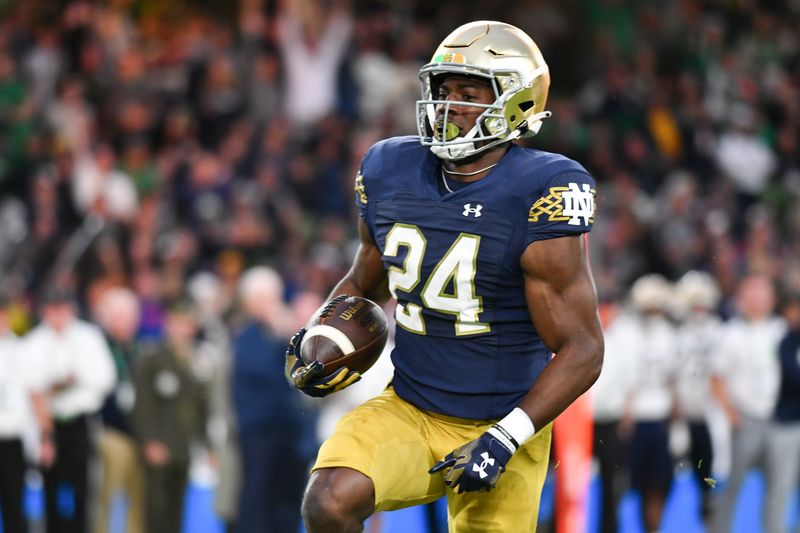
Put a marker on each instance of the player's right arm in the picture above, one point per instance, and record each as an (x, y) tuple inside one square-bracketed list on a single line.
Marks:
[(366, 278)]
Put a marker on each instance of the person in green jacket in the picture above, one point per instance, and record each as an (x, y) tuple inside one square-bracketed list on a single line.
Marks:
[(169, 416)]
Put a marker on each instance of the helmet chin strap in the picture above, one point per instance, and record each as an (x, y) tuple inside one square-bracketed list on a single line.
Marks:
[(454, 153), (462, 150), (458, 148)]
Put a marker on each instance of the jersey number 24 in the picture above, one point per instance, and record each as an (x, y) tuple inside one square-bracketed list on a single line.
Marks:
[(454, 272)]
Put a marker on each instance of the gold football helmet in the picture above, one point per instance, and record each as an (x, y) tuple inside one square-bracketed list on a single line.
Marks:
[(511, 62)]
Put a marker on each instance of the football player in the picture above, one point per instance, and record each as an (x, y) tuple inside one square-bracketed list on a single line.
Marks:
[(481, 243)]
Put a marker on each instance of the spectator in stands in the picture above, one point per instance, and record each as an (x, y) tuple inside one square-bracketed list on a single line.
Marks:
[(99, 187), (74, 373), (264, 92), (745, 380), (313, 44), (121, 470), (169, 415), (655, 344), (783, 454), (697, 296), (269, 414)]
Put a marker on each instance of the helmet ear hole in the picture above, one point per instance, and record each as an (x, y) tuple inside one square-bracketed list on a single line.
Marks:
[(524, 106)]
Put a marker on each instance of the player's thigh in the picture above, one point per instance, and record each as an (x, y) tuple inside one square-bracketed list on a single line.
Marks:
[(513, 505), (384, 440)]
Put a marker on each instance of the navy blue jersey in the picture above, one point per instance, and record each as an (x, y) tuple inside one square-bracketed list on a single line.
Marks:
[(465, 343)]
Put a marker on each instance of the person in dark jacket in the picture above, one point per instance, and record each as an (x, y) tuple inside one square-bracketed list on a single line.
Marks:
[(783, 455), (268, 413)]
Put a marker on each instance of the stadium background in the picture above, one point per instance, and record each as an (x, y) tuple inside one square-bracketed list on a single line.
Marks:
[(230, 149)]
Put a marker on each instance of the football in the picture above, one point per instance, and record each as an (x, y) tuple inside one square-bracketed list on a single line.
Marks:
[(347, 331)]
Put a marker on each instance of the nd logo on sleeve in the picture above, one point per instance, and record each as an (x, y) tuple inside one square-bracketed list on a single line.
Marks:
[(573, 204)]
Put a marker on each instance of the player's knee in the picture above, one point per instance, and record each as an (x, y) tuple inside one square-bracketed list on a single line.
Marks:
[(337, 500)]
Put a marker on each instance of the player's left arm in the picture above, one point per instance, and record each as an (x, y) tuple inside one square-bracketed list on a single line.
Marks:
[(562, 301), (563, 305)]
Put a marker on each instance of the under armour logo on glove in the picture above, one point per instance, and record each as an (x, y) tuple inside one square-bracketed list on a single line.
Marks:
[(481, 470), (475, 466)]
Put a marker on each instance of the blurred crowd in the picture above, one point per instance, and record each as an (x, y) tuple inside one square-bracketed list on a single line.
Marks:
[(155, 153)]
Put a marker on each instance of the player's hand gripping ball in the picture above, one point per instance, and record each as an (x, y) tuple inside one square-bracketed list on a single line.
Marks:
[(341, 342)]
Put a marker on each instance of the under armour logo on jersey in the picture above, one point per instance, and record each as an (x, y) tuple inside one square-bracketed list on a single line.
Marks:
[(578, 204), (474, 211), (481, 469)]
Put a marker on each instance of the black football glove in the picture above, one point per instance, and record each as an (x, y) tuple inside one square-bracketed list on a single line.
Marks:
[(309, 378), (475, 466)]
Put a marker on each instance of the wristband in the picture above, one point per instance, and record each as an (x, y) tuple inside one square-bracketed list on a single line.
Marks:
[(513, 430)]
